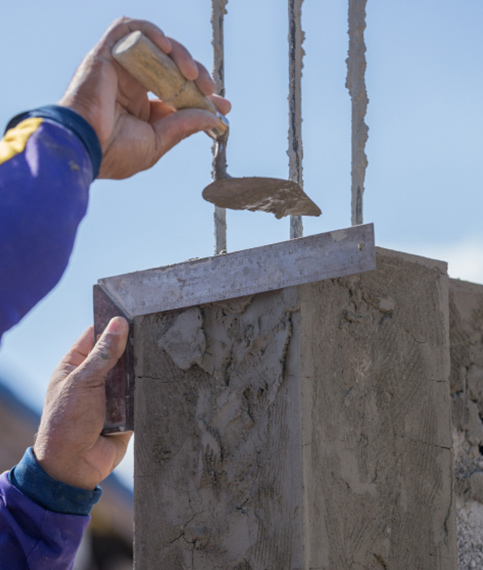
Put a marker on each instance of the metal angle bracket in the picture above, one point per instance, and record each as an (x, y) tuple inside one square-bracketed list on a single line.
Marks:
[(120, 380), (290, 263)]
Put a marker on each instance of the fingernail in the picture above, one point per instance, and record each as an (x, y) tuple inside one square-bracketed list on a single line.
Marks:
[(116, 325)]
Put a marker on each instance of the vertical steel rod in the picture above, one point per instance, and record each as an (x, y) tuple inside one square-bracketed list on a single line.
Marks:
[(218, 11), (295, 150), (356, 69)]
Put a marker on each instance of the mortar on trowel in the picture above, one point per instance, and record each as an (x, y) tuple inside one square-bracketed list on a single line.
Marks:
[(158, 73)]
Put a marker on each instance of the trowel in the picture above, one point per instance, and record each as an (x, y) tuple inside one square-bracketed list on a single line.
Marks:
[(158, 73)]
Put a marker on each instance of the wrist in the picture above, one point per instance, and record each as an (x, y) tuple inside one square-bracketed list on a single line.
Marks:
[(69, 473), (68, 102), (32, 480)]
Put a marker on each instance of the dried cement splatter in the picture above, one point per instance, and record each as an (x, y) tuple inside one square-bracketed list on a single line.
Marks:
[(356, 67), (185, 340)]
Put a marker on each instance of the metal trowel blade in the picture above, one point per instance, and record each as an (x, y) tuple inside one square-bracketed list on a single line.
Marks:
[(279, 197)]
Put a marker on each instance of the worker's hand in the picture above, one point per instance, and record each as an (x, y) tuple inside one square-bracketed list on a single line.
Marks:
[(69, 446), (135, 131)]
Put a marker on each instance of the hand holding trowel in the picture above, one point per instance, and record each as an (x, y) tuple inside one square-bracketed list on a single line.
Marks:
[(158, 73)]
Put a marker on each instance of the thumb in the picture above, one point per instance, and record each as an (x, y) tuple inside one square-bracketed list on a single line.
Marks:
[(177, 126), (106, 352)]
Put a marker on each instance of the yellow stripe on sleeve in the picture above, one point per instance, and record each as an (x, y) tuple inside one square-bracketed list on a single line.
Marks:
[(15, 140)]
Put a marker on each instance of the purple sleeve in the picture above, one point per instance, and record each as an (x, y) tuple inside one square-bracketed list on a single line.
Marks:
[(48, 159), (33, 538), (46, 168)]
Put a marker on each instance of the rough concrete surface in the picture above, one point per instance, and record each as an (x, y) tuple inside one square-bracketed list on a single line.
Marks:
[(218, 456), (307, 428), (376, 419), (466, 334)]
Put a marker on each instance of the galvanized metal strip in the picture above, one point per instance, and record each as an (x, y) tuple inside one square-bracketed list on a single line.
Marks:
[(247, 272)]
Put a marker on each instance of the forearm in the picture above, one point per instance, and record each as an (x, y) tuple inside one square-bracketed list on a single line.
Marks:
[(46, 167)]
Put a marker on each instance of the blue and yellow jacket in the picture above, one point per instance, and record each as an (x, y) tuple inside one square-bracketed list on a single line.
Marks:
[(48, 159)]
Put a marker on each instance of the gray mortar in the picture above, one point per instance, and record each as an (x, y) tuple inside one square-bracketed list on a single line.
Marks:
[(466, 333), (216, 482), (379, 464), (308, 428), (185, 340)]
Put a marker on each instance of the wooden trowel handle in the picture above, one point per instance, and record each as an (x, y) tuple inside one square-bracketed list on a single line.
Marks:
[(158, 73)]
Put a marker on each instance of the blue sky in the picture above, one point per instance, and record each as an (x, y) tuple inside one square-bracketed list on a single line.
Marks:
[(424, 189)]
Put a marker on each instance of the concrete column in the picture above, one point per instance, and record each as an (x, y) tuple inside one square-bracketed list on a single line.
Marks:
[(307, 428), (466, 334)]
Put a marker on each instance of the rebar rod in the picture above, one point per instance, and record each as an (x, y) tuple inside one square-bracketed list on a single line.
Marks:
[(218, 11), (356, 68), (295, 151)]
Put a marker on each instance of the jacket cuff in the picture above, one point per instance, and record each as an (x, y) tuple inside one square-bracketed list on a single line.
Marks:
[(72, 121), (29, 478)]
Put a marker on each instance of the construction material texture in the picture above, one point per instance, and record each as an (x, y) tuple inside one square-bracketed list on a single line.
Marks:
[(377, 419), (356, 69), (295, 149), (307, 427), (466, 337), (343, 252), (218, 11)]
